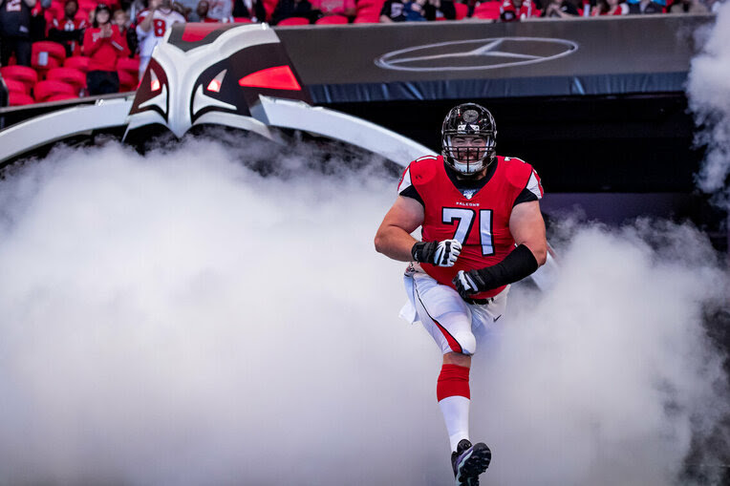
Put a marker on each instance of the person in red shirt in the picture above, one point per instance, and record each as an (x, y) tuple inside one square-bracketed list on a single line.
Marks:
[(69, 31), (104, 45), (512, 10), (482, 230)]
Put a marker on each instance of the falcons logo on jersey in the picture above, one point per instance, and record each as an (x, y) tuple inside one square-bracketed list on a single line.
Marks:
[(214, 74)]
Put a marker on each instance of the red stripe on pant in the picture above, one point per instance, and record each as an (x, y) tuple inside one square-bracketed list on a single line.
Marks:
[(453, 381), (453, 343)]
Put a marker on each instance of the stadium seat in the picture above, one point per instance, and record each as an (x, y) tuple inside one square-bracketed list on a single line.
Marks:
[(366, 3), (294, 21), (87, 5), (333, 20), (71, 76), (128, 71), (269, 7), (77, 62), (47, 55), (24, 74), (48, 15), (488, 10), (46, 89), (242, 20), (366, 19), (56, 11), (127, 81), (19, 99), (16, 86), (129, 65), (461, 10)]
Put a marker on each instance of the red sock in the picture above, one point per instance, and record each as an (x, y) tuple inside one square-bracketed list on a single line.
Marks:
[(453, 381)]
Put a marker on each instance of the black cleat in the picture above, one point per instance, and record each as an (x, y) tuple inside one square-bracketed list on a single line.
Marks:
[(469, 461)]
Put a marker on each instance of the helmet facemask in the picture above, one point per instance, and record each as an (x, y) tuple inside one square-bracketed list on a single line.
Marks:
[(468, 139)]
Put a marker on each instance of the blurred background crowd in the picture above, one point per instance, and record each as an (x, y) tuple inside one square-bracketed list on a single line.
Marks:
[(53, 50)]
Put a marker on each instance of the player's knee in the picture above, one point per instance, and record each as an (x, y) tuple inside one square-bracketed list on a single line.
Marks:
[(467, 341)]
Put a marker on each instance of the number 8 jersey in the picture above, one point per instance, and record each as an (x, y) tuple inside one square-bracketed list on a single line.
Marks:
[(474, 212)]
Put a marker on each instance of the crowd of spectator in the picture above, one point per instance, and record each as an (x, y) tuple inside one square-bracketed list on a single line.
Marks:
[(104, 46)]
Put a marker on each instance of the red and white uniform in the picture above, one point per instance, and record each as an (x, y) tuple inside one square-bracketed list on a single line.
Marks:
[(480, 222), (161, 21), (508, 11)]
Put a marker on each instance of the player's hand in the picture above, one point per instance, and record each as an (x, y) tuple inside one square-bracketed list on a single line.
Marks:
[(439, 253), (468, 283)]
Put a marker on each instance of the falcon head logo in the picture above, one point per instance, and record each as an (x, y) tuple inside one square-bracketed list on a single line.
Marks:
[(214, 74)]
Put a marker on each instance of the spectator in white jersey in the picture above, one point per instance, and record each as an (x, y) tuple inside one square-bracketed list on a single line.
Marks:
[(151, 27)]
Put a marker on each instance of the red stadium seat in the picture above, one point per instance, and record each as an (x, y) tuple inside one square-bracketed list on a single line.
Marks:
[(80, 63), (294, 21), (49, 16), (461, 10), (56, 10), (242, 20), (371, 7), (333, 20), (129, 65), (83, 14), (16, 86), (24, 74), (366, 19), (20, 99), (71, 76), (488, 10), (269, 7), (128, 71), (87, 5), (127, 81), (365, 3), (46, 89), (47, 55)]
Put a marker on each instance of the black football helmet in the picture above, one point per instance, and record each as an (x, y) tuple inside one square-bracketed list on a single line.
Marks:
[(468, 119)]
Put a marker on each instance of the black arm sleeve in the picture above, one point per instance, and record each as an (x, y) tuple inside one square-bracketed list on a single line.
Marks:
[(517, 265)]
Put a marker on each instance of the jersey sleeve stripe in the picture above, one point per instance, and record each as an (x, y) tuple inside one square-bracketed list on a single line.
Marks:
[(405, 182), (534, 186)]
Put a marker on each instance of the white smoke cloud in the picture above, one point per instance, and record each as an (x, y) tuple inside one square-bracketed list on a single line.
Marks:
[(709, 95), (179, 319)]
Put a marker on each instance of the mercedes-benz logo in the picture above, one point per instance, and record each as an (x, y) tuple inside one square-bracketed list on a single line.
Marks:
[(477, 54)]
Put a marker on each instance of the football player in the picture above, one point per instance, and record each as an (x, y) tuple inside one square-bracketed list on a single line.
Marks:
[(482, 230)]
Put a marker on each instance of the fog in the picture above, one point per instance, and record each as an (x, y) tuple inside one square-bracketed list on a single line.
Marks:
[(708, 90), (178, 318)]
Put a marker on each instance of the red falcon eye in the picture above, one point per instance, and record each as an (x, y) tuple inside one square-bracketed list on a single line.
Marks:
[(279, 77), (154, 82), (214, 86), (217, 82)]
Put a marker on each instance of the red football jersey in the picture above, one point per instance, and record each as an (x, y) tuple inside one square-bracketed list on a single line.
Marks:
[(478, 219)]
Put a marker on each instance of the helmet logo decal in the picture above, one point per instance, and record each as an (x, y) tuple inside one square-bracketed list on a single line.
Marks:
[(470, 116)]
